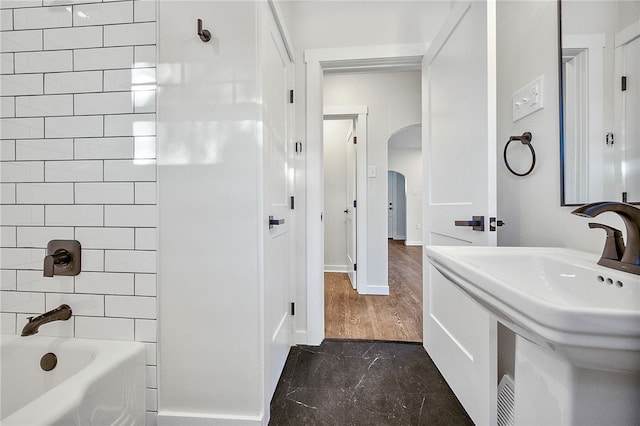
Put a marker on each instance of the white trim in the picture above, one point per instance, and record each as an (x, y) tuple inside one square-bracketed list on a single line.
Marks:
[(626, 35), (336, 268), (413, 243), (378, 290), (338, 112), (282, 27), (169, 418), (454, 18), (317, 61)]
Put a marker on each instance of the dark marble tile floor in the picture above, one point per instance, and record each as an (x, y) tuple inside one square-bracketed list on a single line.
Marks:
[(356, 382)]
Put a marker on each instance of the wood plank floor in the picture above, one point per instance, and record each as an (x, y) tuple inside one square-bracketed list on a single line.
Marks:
[(396, 317)]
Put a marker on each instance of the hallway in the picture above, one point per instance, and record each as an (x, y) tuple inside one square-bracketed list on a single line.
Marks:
[(396, 317)]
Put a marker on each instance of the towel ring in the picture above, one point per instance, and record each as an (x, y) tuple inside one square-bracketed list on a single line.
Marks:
[(526, 140)]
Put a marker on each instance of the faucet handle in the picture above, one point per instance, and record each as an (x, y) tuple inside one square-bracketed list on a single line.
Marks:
[(614, 245)]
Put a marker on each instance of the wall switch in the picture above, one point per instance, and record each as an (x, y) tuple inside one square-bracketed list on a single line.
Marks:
[(373, 171), (529, 99)]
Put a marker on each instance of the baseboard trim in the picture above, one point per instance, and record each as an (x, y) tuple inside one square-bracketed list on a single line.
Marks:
[(413, 243), (336, 268), (300, 337), (376, 290), (169, 418)]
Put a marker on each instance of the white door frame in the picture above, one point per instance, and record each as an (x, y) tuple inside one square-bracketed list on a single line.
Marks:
[(359, 115), (362, 58)]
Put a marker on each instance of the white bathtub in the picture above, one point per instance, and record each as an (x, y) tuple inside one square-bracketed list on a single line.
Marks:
[(95, 382)]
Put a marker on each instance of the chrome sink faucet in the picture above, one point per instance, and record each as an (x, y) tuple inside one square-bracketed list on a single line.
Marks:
[(616, 255), (61, 313)]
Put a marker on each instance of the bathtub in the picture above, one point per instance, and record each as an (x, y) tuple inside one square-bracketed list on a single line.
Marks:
[(95, 382)]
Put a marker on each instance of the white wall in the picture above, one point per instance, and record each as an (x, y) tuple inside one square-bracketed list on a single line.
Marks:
[(335, 194), (408, 161), (209, 128), (322, 24), (530, 206), (394, 102), (78, 162)]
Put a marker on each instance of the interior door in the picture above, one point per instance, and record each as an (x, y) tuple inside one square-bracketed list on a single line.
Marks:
[(631, 102), (391, 184), (277, 251), (459, 145), (350, 211)]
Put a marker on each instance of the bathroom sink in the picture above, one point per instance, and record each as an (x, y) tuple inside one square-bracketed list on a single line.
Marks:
[(558, 298)]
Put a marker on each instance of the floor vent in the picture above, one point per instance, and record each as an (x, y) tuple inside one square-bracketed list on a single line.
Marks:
[(506, 399)]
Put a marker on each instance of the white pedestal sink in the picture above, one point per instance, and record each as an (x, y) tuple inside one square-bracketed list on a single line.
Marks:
[(578, 325)]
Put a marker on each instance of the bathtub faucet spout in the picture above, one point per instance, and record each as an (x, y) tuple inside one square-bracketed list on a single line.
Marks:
[(61, 313)]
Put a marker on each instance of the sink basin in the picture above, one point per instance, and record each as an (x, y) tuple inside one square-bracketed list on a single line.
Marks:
[(558, 298)]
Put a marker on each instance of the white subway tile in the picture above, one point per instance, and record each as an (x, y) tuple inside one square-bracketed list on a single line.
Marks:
[(21, 302), (135, 216), (74, 215), (105, 328), (145, 56), (151, 353), (47, 105), (131, 79), (104, 148), (7, 193), (22, 171), (7, 236), (54, 329), (129, 261), (19, 215), (130, 125), (21, 128), (145, 192), (130, 170), (92, 260), (7, 323), (90, 305), (152, 400), (103, 103), (73, 127), (106, 238), (103, 58), (38, 237), (151, 373), (72, 38), (146, 239), (100, 14), (20, 41), (146, 331), (34, 62), (8, 279), (13, 4), (21, 258), (35, 281), (6, 19), (73, 82), (130, 34), (104, 193), (144, 10), (145, 285), (73, 171), (6, 64), (104, 283), (7, 150), (44, 149), (7, 107), (145, 101), (130, 306), (44, 193), (16, 85), (41, 17)]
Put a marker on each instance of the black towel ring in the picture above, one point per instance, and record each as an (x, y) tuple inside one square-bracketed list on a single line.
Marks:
[(526, 140)]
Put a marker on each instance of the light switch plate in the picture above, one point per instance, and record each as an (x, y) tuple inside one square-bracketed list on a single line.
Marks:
[(529, 99), (373, 171)]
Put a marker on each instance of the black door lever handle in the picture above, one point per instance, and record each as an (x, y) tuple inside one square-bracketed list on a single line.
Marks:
[(477, 223)]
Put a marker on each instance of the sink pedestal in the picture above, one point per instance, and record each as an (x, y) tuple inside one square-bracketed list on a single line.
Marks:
[(551, 391)]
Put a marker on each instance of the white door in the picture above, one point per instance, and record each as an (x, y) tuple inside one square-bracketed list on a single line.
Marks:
[(459, 171), (277, 253), (350, 210), (391, 183), (631, 102)]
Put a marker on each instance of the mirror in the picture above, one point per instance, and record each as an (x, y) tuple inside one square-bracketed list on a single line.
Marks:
[(599, 101)]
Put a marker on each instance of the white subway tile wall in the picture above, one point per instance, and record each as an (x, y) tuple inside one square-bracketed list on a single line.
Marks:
[(78, 161)]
